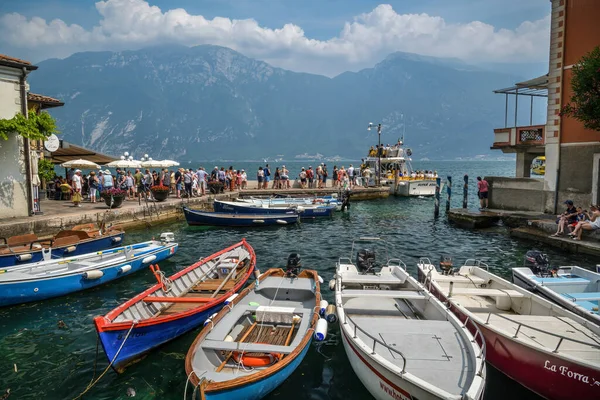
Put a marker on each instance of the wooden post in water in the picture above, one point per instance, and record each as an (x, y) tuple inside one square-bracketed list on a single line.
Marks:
[(465, 191), (449, 192), (436, 210)]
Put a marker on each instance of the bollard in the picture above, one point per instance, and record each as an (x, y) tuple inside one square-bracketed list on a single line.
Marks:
[(449, 192), (436, 210), (465, 191)]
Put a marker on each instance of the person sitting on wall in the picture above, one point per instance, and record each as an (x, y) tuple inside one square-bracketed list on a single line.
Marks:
[(566, 218), (591, 225)]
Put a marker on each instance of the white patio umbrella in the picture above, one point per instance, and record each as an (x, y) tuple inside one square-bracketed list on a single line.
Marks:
[(80, 163), (170, 163), (152, 164), (124, 164)]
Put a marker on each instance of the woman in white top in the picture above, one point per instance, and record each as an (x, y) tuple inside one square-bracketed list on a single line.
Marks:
[(591, 225)]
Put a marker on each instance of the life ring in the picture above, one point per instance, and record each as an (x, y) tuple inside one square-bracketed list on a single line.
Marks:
[(249, 360), (315, 201)]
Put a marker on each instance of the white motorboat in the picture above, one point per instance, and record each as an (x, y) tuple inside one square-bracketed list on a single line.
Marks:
[(549, 350), (575, 288), (397, 172), (401, 341)]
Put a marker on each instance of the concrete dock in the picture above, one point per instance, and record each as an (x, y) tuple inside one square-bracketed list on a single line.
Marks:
[(135, 214), (473, 219)]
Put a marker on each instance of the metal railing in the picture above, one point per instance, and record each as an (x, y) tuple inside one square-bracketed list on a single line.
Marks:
[(482, 340), (375, 341), (560, 337)]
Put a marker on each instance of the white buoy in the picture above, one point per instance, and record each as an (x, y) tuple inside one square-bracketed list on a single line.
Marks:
[(116, 239), (125, 268), (332, 284), (330, 314), (94, 274), (70, 249), (149, 259), (320, 279), (24, 257), (281, 222), (321, 330), (230, 298), (322, 307)]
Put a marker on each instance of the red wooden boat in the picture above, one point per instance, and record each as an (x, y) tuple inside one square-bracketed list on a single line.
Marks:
[(175, 305)]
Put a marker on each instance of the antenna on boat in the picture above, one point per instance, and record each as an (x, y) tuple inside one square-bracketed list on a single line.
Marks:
[(403, 128)]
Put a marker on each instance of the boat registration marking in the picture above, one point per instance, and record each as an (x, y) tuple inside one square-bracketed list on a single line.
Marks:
[(565, 371), (392, 393)]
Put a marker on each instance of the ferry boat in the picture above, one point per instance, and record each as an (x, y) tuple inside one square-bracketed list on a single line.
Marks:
[(397, 172), (538, 165)]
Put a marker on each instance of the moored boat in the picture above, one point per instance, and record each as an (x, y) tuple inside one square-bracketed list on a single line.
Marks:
[(401, 341), (210, 218), (330, 200), (549, 350), (256, 343), (81, 239), (53, 278), (173, 306), (304, 211), (574, 288)]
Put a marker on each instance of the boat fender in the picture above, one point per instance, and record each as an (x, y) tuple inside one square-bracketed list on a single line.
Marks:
[(330, 314), (257, 273), (116, 239), (332, 284), (148, 259), (258, 221), (320, 279), (24, 257), (281, 222), (322, 306), (209, 319), (70, 249), (300, 209), (230, 298), (321, 330), (125, 268), (94, 274), (503, 303)]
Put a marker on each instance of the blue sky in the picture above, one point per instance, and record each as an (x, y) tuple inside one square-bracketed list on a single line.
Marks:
[(321, 36)]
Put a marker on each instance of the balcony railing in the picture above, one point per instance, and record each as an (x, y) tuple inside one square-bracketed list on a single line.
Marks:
[(519, 137)]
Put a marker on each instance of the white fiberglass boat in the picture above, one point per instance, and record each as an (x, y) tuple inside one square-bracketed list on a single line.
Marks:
[(549, 350), (401, 341)]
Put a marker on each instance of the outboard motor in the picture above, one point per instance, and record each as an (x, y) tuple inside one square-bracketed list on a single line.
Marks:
[(345, 199), (537, 262), (446, 265), (294, 264), (365, 261)]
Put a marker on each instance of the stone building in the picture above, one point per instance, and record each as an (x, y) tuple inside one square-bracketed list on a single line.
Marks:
[(572, 152)]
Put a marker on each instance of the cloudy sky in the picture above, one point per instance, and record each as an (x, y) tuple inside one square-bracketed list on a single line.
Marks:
[(319, 36)]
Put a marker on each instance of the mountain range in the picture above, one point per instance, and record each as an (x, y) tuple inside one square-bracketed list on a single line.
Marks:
[(210, 102)]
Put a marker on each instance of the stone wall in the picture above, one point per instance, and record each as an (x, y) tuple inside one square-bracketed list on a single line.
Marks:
[(522, 194), (13, 186)]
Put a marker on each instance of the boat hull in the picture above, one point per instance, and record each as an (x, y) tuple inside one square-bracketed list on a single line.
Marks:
[(259, 389), (12, 293), (547, 375), (143, 339), (414, 188), (305, 211), (241, 220), (87, 246)]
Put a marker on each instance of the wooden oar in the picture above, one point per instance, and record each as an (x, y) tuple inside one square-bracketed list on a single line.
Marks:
[(220, 367), (289, 337), (156, 299)]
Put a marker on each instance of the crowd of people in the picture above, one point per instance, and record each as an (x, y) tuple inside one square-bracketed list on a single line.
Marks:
[(574, 220)]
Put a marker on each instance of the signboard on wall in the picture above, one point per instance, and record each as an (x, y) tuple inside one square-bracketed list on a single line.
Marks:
[(52, 143)]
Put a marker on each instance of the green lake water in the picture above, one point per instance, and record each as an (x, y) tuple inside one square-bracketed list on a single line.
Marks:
[(57, 363)]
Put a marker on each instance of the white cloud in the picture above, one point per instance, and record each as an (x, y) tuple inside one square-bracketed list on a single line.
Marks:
[(130, 24)]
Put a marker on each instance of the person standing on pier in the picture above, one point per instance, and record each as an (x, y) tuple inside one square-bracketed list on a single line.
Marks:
[(260, 175), (310, 175), (482, 191), (277, 179), (76, 188), (178, 182), (137, 179), (267, 172), (325, 174), (201, 174), (93, 185), (320, 176), (350, 172)]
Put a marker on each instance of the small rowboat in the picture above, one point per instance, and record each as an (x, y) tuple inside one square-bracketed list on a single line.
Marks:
[(81, 239), (196, 217), (256, 342), (173, 306), (47, 279), (305, 211)]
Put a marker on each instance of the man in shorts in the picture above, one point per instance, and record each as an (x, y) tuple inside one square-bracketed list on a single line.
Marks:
[(137, 177), (201, 174), (482, 191)]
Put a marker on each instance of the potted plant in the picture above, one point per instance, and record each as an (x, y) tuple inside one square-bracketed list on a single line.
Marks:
[(113, 197), (160, 192), (215, 187)]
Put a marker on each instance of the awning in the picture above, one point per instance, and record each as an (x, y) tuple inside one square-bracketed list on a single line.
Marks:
[(68, 151), (537, 87)]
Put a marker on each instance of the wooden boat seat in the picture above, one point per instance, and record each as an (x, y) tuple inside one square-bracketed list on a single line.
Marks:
[(486, 292), (246, 347), (213, 284), (22, 239), (85, 227), (81, 235), (65, 241), (399, 294)]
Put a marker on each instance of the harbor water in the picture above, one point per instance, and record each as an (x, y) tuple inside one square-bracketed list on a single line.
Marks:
[(43, 358)]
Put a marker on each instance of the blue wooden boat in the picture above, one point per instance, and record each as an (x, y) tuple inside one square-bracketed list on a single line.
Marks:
[(197, 217), (174, 306), (81, 239), (305, 211), (47, 279), (252, 346)]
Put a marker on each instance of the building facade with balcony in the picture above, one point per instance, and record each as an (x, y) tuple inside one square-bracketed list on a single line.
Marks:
[(572, 152)]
